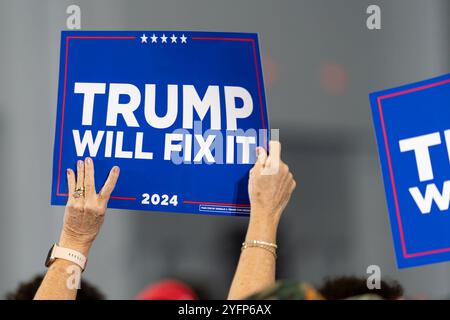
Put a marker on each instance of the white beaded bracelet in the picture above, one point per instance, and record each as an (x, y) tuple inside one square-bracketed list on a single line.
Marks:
[(273, 245)]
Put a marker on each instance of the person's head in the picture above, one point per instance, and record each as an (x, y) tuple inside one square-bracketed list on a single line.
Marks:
[(27, 290), (346, 286)]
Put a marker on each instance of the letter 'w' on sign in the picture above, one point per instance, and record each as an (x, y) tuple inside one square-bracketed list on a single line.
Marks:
[(412, 126), (432, 194), (180, 112), (87, 141)]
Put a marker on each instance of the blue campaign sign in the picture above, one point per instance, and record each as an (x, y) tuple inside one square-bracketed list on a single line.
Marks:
[(412, 125), (179, 112)]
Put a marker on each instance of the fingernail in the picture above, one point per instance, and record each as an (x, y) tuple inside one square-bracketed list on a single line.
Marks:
[(79, 163), (68, 171), (88, 160), (258, 150), (116, 169)]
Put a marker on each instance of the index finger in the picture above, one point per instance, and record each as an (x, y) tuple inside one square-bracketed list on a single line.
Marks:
[(110, 183)]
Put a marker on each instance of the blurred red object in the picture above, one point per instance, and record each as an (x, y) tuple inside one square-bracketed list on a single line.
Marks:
[(271, 70), (167, 290), (334, 78)]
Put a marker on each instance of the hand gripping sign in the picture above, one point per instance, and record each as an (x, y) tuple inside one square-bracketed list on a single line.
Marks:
[(181, 113), (412, 125)]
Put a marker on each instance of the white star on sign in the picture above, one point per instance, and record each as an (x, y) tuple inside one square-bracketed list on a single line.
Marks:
[(174, 39), (183, 39), (154, 38), (163, 38), (144, 38)]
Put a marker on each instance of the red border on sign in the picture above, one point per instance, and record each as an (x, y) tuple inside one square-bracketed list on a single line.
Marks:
[(217, 203), (391, 172)]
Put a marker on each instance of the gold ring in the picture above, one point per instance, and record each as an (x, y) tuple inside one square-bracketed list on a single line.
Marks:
[(78, 193)]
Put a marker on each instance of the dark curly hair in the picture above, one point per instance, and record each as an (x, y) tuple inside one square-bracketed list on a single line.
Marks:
[(27, 290), (348, 286)]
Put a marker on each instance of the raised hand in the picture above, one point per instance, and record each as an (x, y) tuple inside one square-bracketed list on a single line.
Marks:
[(85, 209)]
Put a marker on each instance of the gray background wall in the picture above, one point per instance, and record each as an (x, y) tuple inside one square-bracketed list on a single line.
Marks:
[(337, 221)]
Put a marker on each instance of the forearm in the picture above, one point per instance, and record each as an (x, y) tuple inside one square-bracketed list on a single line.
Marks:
[(83, 217), (63, 277), (256, 267), (56, 284), (270, 187)]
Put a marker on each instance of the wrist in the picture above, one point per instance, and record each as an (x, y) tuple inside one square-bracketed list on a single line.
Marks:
[(262, 229), (68, 242), (264, 217)]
